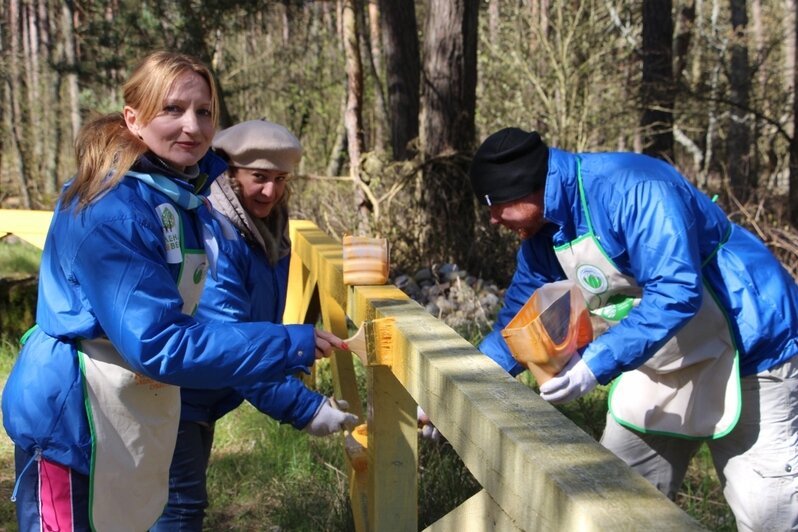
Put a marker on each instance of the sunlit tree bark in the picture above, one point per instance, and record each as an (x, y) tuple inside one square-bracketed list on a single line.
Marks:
[(353, 114)]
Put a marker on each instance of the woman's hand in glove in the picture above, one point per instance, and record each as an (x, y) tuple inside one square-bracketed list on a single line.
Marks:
[(572, 382), (331, 417)]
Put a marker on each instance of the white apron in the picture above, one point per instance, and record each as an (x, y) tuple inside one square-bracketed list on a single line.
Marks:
[(134, 419), (690, 388)]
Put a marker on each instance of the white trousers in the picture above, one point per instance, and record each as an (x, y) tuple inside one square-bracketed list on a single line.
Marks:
[(757, 462)]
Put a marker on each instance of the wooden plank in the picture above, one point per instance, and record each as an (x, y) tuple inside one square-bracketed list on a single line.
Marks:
[(341, 363), (30, 226), (393, 454), (321, 254), (298, 276), (538, 466), (358, 498), (480, 513)]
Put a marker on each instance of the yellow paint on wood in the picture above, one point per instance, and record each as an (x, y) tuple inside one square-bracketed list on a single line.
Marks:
[(542, 470), (538, 470), (28, 225)]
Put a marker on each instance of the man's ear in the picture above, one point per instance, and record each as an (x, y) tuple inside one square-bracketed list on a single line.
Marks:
[(131, 120)]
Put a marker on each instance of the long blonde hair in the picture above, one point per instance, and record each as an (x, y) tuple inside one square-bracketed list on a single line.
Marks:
[(105, 144)]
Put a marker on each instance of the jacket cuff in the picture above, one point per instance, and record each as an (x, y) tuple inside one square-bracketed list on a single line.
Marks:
[(301, 349), (496, 348), (601, 363)]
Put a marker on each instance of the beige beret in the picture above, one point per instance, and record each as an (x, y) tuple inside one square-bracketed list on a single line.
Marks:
[(259, 144)]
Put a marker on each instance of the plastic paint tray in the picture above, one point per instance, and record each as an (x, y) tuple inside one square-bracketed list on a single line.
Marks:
[(365, 260), (549, 328)]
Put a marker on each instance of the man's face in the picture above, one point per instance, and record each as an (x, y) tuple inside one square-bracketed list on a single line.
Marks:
[(524, 215)]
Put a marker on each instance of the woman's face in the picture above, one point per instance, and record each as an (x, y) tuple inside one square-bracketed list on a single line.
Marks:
[(261, 190), (181, 133)]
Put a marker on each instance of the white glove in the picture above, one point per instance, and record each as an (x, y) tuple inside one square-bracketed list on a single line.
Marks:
[(331, 417), (428, 430), (572, 382)]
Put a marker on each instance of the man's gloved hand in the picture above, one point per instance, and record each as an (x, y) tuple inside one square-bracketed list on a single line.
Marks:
[(572, 382), (331, 417), (428, 430)]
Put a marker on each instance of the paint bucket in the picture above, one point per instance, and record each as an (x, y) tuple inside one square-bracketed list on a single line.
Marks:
[(365, 260), (549, 328)]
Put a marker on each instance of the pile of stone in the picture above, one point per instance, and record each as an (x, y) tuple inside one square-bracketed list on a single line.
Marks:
[(449, 293)]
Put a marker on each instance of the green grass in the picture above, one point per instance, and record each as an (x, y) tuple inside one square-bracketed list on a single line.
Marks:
[(18, 258), (8, 516)]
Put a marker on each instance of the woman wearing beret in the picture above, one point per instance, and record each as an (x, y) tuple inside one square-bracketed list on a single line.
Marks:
[(250, 285)]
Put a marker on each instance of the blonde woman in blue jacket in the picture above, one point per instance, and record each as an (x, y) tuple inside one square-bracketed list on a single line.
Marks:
[(93, 401), (250, 286), (703, 320)]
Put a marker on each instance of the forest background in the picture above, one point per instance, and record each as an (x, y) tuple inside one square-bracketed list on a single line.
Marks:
[(391, 97)]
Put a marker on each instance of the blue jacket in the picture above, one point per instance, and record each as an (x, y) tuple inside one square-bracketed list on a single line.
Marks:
[(248, 288), (663, 232), (104, 272)]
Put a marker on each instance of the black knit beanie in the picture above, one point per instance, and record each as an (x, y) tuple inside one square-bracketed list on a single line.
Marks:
[(509, 165)]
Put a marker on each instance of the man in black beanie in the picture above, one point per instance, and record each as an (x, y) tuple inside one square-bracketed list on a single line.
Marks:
[(508, 174), (702, 348)]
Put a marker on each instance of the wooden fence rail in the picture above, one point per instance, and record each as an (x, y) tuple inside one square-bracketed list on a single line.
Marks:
[(538, 470)]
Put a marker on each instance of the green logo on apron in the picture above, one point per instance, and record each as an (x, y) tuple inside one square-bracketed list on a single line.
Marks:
[(592, 279)]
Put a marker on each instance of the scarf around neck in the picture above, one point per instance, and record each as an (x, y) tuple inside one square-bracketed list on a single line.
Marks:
[(270, 234)]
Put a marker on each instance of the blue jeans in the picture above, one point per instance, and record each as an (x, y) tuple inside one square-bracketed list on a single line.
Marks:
[(188, 495)]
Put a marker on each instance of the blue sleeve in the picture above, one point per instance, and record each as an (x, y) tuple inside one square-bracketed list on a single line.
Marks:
[(536, 251), (124, 279), (228, 297), (655, 225), (288, 401)]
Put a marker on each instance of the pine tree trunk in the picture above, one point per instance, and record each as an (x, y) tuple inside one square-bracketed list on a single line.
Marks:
[(15, 95), (70, 54), (353, 114), (793, 191), (738, 145), (400, 45), (448, 130), (657, 89)]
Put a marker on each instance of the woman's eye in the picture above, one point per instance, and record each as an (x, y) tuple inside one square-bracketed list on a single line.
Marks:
[(280, 178), (172, 109), (204, 112)]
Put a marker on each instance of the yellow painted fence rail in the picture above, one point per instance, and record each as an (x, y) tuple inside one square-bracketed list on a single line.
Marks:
[(538, 470)]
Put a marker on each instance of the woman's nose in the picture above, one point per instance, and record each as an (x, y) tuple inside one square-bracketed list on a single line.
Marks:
[(268, 189), (190, 122)]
